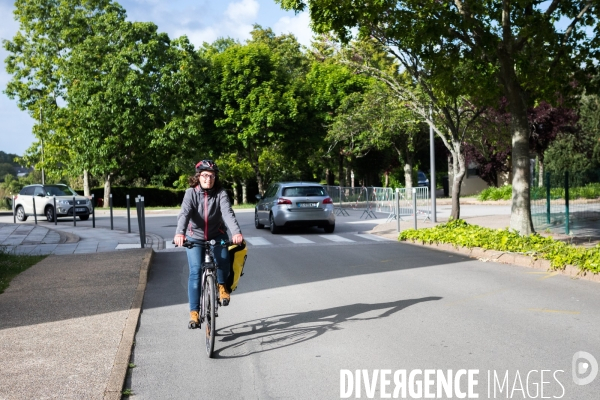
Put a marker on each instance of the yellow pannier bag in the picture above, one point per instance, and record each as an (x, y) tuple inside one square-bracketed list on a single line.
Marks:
[(237, 260)]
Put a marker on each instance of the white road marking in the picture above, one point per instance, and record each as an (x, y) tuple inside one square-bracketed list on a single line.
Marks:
[(372, 237), (297, 239), (369, 221), (257, 241), (336, 238), (128, 246)]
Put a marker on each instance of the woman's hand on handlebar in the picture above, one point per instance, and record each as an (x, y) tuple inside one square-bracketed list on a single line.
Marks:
[(178, 240), (237, 239)]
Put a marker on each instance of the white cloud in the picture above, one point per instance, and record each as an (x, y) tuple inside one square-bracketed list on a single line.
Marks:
[(298, 25), (244, 11)]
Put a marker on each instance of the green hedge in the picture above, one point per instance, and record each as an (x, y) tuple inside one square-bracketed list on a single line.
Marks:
[(589, 191), (153, 197), (459, 233)]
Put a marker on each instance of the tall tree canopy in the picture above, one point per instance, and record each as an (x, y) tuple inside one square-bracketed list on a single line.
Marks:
[(518, 45)]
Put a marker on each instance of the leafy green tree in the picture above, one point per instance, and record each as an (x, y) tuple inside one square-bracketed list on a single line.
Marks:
[(589, 122), (261, 96), (517, 47), (448, 112), (330, 82), (377, 120), (48, 33)]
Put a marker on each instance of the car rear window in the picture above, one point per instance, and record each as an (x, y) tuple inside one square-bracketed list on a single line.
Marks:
[(304, 191)]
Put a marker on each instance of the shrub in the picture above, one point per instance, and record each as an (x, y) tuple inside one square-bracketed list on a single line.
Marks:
[(459, 233)]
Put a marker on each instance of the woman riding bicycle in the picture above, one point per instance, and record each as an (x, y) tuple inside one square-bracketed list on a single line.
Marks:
[(205, 211)]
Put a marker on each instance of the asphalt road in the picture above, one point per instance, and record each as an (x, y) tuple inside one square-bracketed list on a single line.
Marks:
[(307, 316)]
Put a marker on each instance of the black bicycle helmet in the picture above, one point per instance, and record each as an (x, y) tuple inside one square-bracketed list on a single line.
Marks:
[(207, 165)]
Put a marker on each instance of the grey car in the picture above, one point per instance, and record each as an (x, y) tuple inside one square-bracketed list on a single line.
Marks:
[(287, 204), (44, 202)]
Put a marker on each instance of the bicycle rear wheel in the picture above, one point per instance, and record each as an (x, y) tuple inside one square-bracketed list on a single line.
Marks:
[(210, 305)]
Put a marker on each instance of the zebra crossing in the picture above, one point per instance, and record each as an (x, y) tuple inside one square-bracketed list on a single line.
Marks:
[(315, 240), (277, 240)]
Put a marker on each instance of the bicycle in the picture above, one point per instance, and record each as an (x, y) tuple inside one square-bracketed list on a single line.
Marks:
[(209, 302)]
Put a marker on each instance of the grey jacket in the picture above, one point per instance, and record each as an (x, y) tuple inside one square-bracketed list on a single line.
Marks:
[(204, 214)]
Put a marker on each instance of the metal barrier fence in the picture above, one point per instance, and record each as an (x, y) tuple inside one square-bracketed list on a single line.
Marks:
[(565, 204), (369, 200)]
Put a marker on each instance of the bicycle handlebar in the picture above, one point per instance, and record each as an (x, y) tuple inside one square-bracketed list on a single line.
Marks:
[(206, 243)]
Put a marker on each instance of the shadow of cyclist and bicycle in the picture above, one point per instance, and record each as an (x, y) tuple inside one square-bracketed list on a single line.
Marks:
[(279, 331)]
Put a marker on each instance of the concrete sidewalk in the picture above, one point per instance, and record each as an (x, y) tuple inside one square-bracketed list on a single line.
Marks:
[(29, 239), (67, 324)]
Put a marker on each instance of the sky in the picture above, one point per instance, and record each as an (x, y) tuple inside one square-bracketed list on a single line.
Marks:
[(201, 20)]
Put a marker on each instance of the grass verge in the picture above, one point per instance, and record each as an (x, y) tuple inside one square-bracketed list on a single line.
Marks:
[(12, 265)]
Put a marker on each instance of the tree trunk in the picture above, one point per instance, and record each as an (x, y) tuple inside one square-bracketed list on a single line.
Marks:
[(349, 181), (236, 193), (259, 181), (245, 191), (459, 170), (341, 169), (107, 189), (520, 215), (387, 179), (540, 171), (408, 184), (86, 183)]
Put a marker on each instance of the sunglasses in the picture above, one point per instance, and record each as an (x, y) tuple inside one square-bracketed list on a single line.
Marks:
[(207, 176)]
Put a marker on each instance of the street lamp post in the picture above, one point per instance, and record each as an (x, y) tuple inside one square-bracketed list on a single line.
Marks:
[(39, 93), (42, 138)]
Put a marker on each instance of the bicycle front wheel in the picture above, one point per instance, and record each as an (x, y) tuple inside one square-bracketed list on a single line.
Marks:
[(210, 305)]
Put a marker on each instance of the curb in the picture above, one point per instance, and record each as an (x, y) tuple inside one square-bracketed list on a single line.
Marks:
[(154, 241), (118, 372), (510, 258), (500, 257)]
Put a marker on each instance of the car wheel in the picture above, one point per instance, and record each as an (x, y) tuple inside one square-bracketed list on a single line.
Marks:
[(329, 228), (274, 228), (21, 214), (257, 224), (49, 214), (84, 217)]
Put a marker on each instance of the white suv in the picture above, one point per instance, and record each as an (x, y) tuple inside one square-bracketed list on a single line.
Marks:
[(44, 202)]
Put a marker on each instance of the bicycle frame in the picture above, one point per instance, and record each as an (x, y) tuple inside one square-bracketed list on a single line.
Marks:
[(209, 300)]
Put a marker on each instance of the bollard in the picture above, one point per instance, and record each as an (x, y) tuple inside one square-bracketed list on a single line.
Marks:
[(14, 213), (398, 210), (111, 210), (138, 213), (34, 212), (74, 212), (93, 211), (414, 196), (143, 207), (54, 203), (128, 215)]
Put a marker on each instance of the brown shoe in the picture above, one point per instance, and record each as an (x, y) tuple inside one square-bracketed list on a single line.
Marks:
[(194, 320), (224, 295)]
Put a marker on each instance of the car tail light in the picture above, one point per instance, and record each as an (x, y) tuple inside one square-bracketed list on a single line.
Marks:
[(328, 201), (281, 200)]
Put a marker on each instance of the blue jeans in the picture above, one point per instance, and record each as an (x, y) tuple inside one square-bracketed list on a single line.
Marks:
[(195, 257)]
